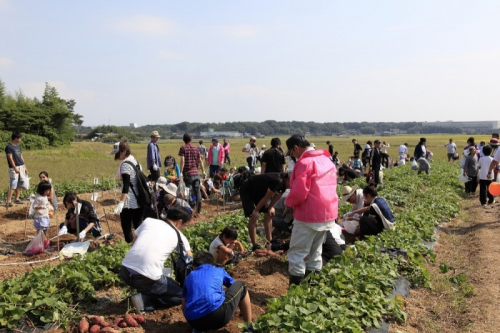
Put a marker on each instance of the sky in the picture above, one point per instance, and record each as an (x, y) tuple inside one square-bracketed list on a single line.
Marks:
[(165, 62)]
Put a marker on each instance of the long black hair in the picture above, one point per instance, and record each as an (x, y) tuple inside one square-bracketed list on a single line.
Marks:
[(42, 187)]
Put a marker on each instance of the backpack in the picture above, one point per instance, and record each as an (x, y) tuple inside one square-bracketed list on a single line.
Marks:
[(144, 192)]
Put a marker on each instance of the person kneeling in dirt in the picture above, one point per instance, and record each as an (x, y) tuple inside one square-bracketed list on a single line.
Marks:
[(142, 267), (223, 246), (255, 194), (376, 217), (87, 217), (205, 304)]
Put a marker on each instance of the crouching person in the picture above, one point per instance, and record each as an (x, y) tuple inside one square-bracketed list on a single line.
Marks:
[(205, 304), (142, 267)]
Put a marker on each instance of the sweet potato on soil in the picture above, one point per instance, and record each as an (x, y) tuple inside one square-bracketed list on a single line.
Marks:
[(95, 329), (122, 324), (139, 319), (95, 320), (108, 330), (83, 327), (117, 322), (131, 322)]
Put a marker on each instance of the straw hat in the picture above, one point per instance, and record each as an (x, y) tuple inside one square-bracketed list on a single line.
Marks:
[(155, 134), (346, 193), (162, 182)]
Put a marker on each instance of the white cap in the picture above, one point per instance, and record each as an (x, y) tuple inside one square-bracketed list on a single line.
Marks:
[(116, 148)]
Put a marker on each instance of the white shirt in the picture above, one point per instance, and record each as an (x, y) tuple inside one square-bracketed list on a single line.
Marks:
[(402, 150), (214, 246), (155, 242), (383, 148), (497, 155), (360, 201), (336, 231), (452, 147), (484, 165), (125, 168)]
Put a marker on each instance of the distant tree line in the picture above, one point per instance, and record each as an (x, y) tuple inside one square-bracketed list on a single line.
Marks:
[(49, 121)]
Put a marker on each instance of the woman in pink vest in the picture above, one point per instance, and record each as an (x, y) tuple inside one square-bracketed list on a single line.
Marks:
[(215, 157), (313, 196)]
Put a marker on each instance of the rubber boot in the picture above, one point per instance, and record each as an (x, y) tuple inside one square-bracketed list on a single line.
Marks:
[(294, 279)]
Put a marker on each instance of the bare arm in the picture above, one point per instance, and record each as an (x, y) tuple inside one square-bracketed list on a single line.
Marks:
[(182, 164), (200, 161), (263, 167)]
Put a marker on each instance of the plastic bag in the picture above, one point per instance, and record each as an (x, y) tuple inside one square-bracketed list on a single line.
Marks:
[(414, 165), (74, 248), (25, 185), (37, 245), (182, 191), (463, 179)]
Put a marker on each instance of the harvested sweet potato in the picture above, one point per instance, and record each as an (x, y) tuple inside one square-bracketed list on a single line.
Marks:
[(117, 322), (131, 322), (139, 319), (95, 329), (95, 320), (108, 330), (104, 324), (83, 327), (122, 324)]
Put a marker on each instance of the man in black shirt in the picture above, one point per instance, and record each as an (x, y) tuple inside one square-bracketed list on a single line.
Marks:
[(357, 147), (273, 159), (348, 174), (330, 148), (255, 194), (376, 161), (17, 170)]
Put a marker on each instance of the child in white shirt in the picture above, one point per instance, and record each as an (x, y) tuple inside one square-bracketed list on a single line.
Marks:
[(485, 181)]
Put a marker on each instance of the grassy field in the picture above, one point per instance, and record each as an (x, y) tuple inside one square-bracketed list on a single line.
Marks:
[(89, 160)]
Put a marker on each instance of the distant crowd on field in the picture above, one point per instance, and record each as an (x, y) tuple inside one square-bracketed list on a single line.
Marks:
[(294, 188)]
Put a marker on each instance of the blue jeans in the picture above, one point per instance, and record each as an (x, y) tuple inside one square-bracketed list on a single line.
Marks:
[(193, 182), (214, 169), (83, 224), (162, 293)]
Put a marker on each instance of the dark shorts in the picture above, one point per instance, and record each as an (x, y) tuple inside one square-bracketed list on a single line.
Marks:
[(330, 248), (249, 204), (450, 156), (220, 317), (367, 226)]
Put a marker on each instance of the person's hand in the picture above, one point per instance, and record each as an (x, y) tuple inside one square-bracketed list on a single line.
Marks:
[(16, 170), (119, 207), (254, 217), (25, 170), (204, 175), (488, 176), (271, 211), (63, 231), (82, 235), (155, 167)]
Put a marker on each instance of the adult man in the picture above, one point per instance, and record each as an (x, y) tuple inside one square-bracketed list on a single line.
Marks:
[(357, 147), (17, 168), (251, 153), (203, 150), (313, 196), (142, 267), (330, 148), (355, 197), (88, 220), (227, 149), (154, 159), (348, 174), (403, 152), (254, 194), (376, 161), (273, 160), (190, 158), (215, 157), (452, 149)]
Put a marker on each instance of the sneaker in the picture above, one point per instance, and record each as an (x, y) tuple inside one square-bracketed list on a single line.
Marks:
[(9, 204), (485, 206), (256, 247), (18, 201), (493, 202), (138, 303)]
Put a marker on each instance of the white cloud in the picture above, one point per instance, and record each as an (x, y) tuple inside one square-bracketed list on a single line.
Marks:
[(36, 88), (144, 24), (403, 27), (169, 55), (6, 62), (241, 31)]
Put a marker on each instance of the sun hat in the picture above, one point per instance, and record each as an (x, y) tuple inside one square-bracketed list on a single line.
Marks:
[(171, 189), (162, 182), (263, 146), (494, 142), (116, 148), (346, 193), (155, 134), (253, 138)]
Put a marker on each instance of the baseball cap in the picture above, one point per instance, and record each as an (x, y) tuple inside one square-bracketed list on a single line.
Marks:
[(116, 148), (215, 140)]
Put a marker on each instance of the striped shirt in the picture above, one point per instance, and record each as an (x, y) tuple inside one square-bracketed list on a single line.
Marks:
[(191, 155), (125, 168)]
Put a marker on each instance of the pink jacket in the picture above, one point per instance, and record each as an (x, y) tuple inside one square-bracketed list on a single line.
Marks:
[(221, 154), (313, 188)]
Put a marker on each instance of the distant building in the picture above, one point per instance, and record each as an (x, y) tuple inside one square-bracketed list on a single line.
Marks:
[(134, 125), (473, 125), (228, 134)]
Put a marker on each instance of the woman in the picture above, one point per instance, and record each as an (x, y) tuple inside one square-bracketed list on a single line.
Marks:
[(128, 207), (44, 176), (420, 155), (172, 171), (376, 217), (227, 147)]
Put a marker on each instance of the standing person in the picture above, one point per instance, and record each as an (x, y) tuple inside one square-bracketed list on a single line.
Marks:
[(313, 196), (154, 159), (87, 218), (227, 148), (403, 152), (203, 150), (190, 158), (385, 156), (41, 207), (128, 207), (261, 153), (215, 157), (330, 148), (366, 152), (376, 162), (357, 147), (485, 177), (255, 194), (452, 149), (470, 171), (250, 150), (17, 169), (273, 159), (44, 176), (142, 267)]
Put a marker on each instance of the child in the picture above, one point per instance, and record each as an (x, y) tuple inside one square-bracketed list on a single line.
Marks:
[(205, 304), (470, 170), (335, 158), (356, 164), (41, 206), (172, 170), (222, 247), (223, 174), (231, 173), (170, 199), (485, 179)]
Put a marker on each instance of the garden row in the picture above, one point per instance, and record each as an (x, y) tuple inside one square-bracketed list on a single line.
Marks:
[(350, 293)]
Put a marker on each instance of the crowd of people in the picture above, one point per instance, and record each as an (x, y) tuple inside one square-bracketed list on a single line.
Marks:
[(295, 190)]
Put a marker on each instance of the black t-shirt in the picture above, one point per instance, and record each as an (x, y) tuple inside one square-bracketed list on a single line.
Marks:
[(357, 148), (274, 159), (258, 185), (350, 174), (15, 151), (330, 149)]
